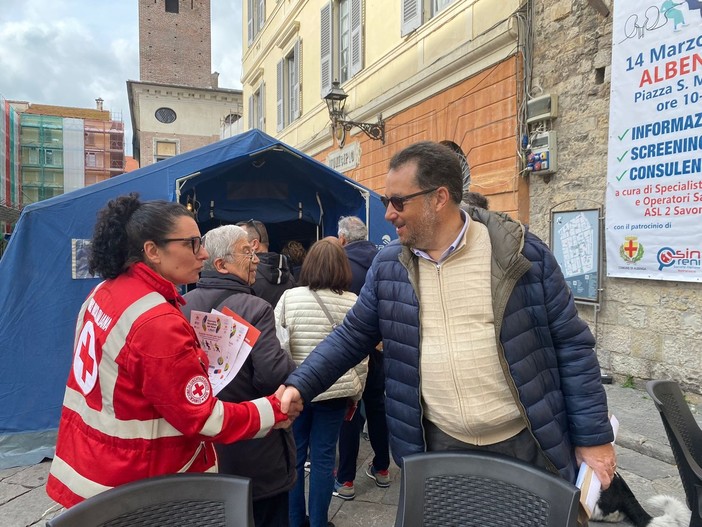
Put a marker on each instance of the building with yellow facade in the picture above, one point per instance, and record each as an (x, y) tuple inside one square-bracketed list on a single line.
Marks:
[(442, 70)]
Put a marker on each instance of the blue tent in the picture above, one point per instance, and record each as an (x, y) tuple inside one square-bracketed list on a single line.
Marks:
[(248, 176)]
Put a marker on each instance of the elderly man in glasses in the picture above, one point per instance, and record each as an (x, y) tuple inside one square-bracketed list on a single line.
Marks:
[(226, 280), (482, 343), (274, 275)]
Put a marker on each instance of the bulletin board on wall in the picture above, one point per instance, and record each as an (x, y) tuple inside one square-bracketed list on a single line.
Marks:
[(576, 242)]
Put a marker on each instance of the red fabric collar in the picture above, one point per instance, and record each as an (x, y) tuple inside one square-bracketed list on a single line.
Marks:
[(162, 286)]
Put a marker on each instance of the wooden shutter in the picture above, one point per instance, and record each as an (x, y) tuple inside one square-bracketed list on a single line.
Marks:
[(262, 107), (326, 48), (356, 37), (251, 112), (261, 14), (411, 16), (250, 19), (280, 94), (296, 87)]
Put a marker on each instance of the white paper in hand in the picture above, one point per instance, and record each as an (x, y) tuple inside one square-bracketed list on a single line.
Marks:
[(588, 483)]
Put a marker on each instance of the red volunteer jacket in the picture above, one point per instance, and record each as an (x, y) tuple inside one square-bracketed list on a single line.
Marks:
[(138, 401)]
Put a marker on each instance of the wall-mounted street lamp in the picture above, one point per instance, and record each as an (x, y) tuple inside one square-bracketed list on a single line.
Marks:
[(336, 100)]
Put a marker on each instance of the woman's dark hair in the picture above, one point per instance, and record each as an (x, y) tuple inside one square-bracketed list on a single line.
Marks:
[(326, 266), (122, 228)]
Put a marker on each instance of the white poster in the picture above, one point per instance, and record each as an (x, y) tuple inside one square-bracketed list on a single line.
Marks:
[(654, 178)]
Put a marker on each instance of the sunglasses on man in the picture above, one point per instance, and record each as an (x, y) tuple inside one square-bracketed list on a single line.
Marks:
[(398, 202)]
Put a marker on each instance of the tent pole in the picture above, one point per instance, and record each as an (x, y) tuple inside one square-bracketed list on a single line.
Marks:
[(320, 225), (366, 195), (181, 181)]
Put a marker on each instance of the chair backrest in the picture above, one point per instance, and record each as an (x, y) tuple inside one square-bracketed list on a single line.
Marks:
[(685, 438), (172, 500), (479, 489)]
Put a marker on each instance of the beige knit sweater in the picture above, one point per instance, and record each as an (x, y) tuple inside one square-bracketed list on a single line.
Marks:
[(463, 385)]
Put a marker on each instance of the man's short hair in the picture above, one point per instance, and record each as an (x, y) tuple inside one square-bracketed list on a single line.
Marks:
[(256, 230), (437, 166), (218, 243), (352, 228)]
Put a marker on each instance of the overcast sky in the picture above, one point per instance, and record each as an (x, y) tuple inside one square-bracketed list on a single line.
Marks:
[(70, 52)]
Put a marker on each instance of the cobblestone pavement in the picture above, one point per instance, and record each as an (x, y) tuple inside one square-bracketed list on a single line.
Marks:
[(644, 460)]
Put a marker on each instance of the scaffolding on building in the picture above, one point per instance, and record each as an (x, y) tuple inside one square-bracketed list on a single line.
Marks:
[(67, 150)]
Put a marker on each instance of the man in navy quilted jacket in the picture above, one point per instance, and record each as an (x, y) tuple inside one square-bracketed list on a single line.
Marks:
[(483, 345)]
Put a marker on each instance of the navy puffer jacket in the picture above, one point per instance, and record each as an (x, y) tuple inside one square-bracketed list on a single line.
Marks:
[(545, 348)]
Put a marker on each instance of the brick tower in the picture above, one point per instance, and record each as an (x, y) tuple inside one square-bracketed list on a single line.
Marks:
[(175, 42)]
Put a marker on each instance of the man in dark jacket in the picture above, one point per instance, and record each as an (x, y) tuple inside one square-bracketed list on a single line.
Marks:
[(269, 461), (273, 275), (353, 234), (497, 358)]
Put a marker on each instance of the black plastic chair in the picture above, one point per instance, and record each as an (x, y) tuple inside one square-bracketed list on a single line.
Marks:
[(685, 439), (478, 489), (174, 500)]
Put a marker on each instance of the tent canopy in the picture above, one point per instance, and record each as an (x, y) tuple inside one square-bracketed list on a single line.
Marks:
[(251, 175)]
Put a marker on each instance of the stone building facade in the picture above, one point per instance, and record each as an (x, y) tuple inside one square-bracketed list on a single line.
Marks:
[(645, 329), (177, 105)]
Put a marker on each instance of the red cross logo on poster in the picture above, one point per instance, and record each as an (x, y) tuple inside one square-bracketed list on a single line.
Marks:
[(198, 390), (85, 365)]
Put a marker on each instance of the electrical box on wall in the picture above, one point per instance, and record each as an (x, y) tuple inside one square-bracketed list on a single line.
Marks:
[(543, 158), (542, 108)]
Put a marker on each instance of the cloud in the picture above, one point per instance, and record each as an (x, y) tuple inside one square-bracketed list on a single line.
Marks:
[(68, 60), (70, 52), (226, 42)]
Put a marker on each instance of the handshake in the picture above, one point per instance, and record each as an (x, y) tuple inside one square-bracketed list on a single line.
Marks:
[(290, 402)]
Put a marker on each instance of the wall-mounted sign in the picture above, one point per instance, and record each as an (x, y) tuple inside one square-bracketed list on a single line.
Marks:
[(654, 179), (346, 158), (575, 242)]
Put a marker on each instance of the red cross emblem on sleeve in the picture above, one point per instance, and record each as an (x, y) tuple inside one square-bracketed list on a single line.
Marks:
[(198, 389)]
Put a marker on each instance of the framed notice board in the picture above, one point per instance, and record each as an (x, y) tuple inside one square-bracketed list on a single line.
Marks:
[(576, 244)]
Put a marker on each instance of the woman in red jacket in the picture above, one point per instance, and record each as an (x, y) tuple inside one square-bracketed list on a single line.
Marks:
[(138, 400)]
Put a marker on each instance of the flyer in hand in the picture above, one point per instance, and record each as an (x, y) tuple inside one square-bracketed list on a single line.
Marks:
[(227, 340)]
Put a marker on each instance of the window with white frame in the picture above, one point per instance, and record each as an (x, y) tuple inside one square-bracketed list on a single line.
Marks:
[(256, 17), (341, 33), (416, 12), (288, 77), (257, 108)]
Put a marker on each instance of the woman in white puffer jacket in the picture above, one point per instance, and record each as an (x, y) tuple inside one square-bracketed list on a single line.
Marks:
[(325, 272)]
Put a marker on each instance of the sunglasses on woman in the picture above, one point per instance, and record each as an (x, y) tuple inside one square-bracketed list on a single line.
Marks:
[(398, 202)]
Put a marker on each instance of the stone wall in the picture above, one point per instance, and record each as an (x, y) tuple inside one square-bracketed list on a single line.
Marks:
[(175, 48), (646, 329)]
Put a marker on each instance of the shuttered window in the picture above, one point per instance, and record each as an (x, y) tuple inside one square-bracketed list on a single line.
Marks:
[(255, 18), (257, 108), (416, 12), (288, 87), (341, 30)]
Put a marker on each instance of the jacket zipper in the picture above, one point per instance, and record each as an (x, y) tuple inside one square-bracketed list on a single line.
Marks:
[(200, 447)]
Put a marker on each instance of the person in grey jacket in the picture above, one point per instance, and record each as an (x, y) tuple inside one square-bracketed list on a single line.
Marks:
[(496, 359), (269, 461)]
